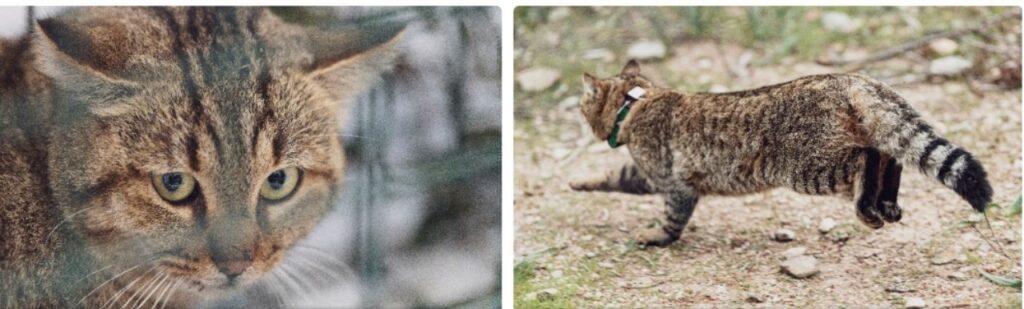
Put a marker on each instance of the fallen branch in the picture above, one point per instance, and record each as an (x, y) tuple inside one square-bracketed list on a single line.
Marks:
[(915, 44)]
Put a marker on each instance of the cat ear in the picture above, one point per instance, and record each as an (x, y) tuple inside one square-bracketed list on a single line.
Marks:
[(631, 69), (344, 62), (69, 56), (589, 84)]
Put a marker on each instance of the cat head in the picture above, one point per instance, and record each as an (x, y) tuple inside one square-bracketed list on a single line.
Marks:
[(199, 143), (602, 98)]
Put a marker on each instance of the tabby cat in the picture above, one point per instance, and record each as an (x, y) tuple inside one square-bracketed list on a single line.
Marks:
[(822, 134), (168, 155)]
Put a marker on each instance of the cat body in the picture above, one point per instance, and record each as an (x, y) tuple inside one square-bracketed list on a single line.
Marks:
[(166, 155), (824, 134)]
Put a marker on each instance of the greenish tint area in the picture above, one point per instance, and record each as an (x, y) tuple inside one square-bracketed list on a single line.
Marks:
[(778, 35)]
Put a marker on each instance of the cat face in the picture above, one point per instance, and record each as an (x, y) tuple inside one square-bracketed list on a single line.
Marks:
[(602, 98), (198, 144)]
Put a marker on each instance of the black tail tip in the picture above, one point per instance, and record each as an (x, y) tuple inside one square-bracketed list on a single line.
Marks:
[(973, 186)]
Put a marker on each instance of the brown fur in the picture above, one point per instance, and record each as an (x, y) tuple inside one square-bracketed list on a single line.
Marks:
[(822, 134), (98, 100)]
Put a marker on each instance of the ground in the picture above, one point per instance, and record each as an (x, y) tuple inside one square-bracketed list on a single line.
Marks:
[(577, 249)]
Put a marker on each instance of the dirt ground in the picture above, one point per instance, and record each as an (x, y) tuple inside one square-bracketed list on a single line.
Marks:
[(577, 249)]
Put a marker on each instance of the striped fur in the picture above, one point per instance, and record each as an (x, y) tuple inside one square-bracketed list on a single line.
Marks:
[(823, 134), (97, 101)]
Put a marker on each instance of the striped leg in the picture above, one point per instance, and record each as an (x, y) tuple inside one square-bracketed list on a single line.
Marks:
[(627, 179), (866, 189), (887, 205), (678, 209)]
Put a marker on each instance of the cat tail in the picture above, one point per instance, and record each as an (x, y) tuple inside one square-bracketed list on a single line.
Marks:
[(901, 132), (626, 179)]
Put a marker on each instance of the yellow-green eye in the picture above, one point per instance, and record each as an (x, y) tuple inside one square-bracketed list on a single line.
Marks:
[(280, 183), (174, 186)]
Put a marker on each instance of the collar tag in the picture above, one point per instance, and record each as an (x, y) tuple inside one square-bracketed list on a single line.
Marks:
[(632, 96)]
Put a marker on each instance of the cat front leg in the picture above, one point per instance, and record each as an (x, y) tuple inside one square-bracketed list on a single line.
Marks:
[(626, 179), (678, 209)]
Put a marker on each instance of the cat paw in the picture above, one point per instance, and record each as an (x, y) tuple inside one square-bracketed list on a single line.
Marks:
[(870, 219), (656, 237), (890, 211)]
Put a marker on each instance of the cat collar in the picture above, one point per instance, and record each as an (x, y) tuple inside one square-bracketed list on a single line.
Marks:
[(632, 96)]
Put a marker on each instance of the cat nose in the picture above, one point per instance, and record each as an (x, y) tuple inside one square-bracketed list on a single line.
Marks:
[(233, 268)]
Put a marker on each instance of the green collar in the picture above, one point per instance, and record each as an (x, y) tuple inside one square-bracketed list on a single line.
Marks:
[(632, 96)]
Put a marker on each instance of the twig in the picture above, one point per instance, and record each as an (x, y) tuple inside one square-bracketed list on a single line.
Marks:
[(640, 287), (999, 249), (908, 46)]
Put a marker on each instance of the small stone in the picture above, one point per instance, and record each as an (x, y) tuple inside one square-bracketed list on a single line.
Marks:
[(949, 65), (716, 88), (826, 225), (557, 274), (783, 235), (914, 303), (838, 22), (975, 217), (958, 276), (606, 265), (558, 14), (794, 252), (801, 266), (602, 54), (590, 255), (944, 258), (560, 153), (547, 294), (943, 46), (647, 50), (899, 287), (537, 79), (754, 298), (569, 103)]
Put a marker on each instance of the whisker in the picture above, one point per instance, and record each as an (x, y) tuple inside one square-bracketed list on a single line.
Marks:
[(174, 288), (104, 283), (152, 288), (141, 290), (124, 289), (319, 267), (167, 282), (48, 235), (330, 258)]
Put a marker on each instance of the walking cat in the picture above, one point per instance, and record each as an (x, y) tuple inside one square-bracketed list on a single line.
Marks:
[(822, 134), (153, 156)]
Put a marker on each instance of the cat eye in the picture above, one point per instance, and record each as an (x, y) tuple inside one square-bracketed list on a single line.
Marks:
[(280, 183), (174, 186)]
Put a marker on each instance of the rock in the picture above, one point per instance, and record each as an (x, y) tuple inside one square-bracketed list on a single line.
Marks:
[(606, 265), (975, 217), (944, 258), (801, 266), (794, 252), (949, 65), (783, 235), (958, 276), (826, 225), (569, 103), (557, 274), (602, 54), (914, 302), (943, 46), (899, 287), (558, 14), (545, 294), (560, 153), (646, 50), (754, 298), (839, 22), (716, 88), (537, 79)]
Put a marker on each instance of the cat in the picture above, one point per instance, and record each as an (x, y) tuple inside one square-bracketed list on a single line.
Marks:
[(822, 134), (168, 155)]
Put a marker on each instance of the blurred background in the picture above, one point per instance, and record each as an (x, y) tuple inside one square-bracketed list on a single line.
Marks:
[(418, 223), (959, 67)]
